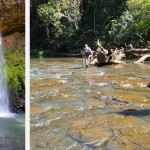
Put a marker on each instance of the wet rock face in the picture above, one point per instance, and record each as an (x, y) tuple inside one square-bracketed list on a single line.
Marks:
[(17, 103), (12, 17), (12, 23), (14, 41)]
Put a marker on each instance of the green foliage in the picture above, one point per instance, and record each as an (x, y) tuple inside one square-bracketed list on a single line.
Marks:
[(49, 13), (66, 25), (15, 62), (121, 29), (140, 10), (54, 24), (133, 25)]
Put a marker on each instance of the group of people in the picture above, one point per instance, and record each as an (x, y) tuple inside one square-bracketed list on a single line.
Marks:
[(102, 55)]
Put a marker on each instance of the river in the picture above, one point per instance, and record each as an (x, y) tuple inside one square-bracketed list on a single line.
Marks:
[(100, 108)]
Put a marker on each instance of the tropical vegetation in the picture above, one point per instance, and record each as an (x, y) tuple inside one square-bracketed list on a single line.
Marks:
[(66, 25), (15, 61)]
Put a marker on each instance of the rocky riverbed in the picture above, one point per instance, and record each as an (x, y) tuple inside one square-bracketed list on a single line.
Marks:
[(95, 108)]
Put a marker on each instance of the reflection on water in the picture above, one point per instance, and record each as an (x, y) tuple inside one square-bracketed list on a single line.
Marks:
[(73, 108), (12, 133)]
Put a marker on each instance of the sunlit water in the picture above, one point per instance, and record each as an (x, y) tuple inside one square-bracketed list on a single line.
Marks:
[(4, 100), (12, 133), (77, 109)]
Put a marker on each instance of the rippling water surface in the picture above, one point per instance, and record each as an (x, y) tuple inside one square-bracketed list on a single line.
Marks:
[(12, 133), (95, 108)]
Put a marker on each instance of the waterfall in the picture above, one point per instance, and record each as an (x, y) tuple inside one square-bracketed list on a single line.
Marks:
[(4, 98)]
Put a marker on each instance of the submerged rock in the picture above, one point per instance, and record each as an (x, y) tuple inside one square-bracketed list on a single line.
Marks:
[(17, 104), (123, 132)]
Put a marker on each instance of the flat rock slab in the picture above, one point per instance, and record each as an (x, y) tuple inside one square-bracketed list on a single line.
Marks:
[(124, 132)]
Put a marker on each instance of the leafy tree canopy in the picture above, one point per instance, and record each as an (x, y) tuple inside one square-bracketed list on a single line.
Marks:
[(66, 25)]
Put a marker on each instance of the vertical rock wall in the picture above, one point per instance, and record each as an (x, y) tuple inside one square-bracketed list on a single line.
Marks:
[(12, 24)]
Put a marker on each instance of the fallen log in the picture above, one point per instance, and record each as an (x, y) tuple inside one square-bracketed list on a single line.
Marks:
[(142, 59), (137, 50), (105, 56), (111, 56), (117, 62)]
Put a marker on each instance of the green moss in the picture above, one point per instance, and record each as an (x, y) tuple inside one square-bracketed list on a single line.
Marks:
[(15, 61)]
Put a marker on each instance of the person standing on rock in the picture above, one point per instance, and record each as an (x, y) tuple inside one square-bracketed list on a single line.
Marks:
[(87, 53)]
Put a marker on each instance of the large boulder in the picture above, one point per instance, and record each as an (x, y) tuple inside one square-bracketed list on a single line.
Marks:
[(12, 23)]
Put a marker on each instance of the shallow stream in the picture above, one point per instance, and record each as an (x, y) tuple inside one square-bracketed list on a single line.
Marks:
[(100, 108)]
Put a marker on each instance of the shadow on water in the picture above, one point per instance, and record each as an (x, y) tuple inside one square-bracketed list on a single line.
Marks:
[(136, 113), (104, 64)]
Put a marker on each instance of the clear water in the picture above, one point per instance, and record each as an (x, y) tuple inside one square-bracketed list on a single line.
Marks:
[(4, 100), (65, 98), (12, 133)]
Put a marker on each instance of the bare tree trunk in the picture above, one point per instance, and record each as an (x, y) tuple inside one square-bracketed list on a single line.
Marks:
[(138, 51), (47, 32), (117, 62), (141, 60), (94, 14)]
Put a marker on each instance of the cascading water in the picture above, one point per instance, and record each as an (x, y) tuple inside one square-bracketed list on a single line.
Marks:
[(4, 100)]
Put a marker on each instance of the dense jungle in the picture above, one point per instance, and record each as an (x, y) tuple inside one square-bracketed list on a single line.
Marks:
[(64, 26)]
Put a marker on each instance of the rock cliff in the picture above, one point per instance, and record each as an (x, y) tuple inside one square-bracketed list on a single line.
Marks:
[(12, 24)]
